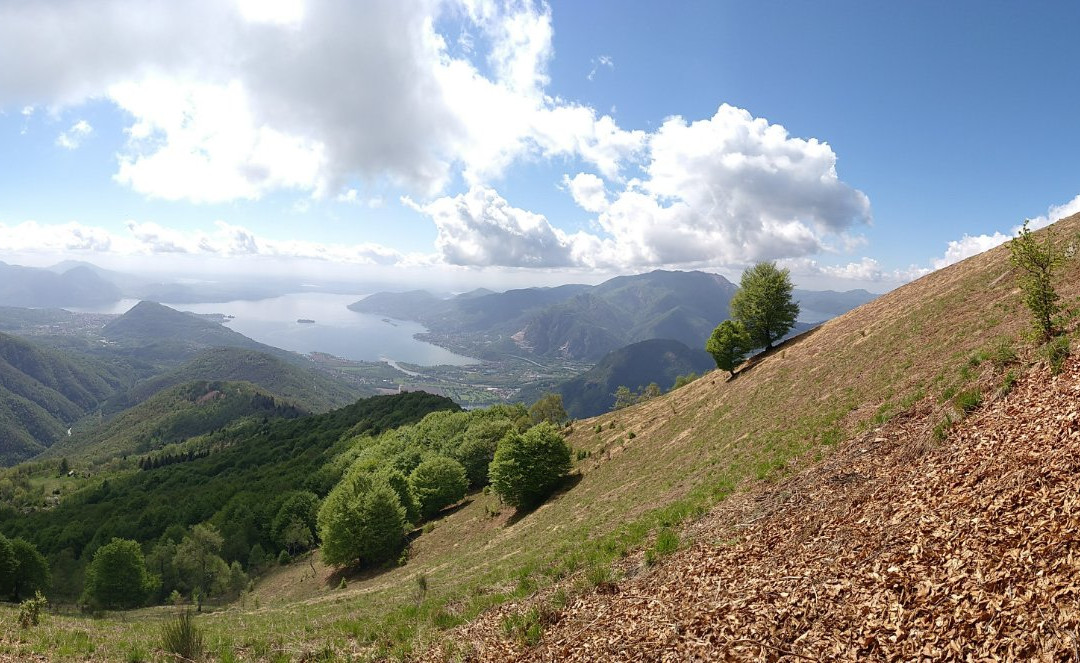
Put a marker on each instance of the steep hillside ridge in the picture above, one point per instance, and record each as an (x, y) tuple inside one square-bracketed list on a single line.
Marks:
[(173, 415), (634, 366), (43, 392), (896, 548), (714, 438), (306, 387)]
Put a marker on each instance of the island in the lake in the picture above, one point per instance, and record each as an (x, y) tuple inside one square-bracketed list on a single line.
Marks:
[(306, 321)]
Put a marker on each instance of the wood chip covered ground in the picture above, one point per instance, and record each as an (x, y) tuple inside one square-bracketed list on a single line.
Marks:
[(895, 548)]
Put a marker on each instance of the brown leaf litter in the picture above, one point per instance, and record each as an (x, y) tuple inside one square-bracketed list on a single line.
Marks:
[(890, 550)]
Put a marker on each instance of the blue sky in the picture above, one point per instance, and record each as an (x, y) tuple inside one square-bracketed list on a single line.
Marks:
[(501, 144)]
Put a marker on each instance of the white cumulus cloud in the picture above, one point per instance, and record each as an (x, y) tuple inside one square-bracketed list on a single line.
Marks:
[(587, 191), (234, 100), (74, 136)]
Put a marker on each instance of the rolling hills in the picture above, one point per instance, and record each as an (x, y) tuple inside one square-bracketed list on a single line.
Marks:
[(172, 415), (310, 389), (153, 331)]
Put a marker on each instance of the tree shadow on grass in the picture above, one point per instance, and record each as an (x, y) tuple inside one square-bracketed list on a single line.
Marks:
[(566, 486)]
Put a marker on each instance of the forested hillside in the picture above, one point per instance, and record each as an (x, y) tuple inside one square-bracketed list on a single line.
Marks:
[(308, 388), (172, 415), (235, 479), (635, 366), (43, 392)]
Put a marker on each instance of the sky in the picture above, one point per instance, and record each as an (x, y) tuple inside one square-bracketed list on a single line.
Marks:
[(469, 142)]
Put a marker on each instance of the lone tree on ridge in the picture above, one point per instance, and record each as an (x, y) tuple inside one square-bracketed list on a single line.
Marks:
[(763, 304), (728, 345)]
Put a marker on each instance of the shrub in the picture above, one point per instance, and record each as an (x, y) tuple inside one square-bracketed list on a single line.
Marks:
[(30, 610), (181, 638), (1037, 262), (1056, 352), (683, 380), (438, 482), (528, 467)]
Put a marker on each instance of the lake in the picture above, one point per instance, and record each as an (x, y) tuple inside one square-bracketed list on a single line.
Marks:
[(336, 330)]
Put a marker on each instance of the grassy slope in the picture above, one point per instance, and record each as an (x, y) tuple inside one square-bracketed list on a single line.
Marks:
[(688, 450)]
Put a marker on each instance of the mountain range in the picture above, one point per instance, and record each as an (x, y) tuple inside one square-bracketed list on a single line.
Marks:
[(586, 322)]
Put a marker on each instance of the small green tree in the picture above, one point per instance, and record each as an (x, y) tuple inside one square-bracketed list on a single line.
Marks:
[(1037, 262), (624, 397), (295, 523), (437, 483), (199, 564), (8, 563), (529, 466), (361, 520), (32, 572), (728, 345), (549, 408), (763, 304), (117, 576)]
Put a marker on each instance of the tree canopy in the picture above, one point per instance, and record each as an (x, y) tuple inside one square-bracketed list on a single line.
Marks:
[(529, 466), (361, 520), (438, 482), (549, 408), (763, 304), (117, 576), (728, 345)]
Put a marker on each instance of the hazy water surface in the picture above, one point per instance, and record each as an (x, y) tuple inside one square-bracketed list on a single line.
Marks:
[(337, 330)]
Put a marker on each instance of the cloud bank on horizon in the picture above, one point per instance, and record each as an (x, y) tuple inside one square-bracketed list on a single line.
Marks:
[(227, 103)]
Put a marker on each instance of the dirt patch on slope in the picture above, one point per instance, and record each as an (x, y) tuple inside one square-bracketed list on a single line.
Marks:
[(891, 549)]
